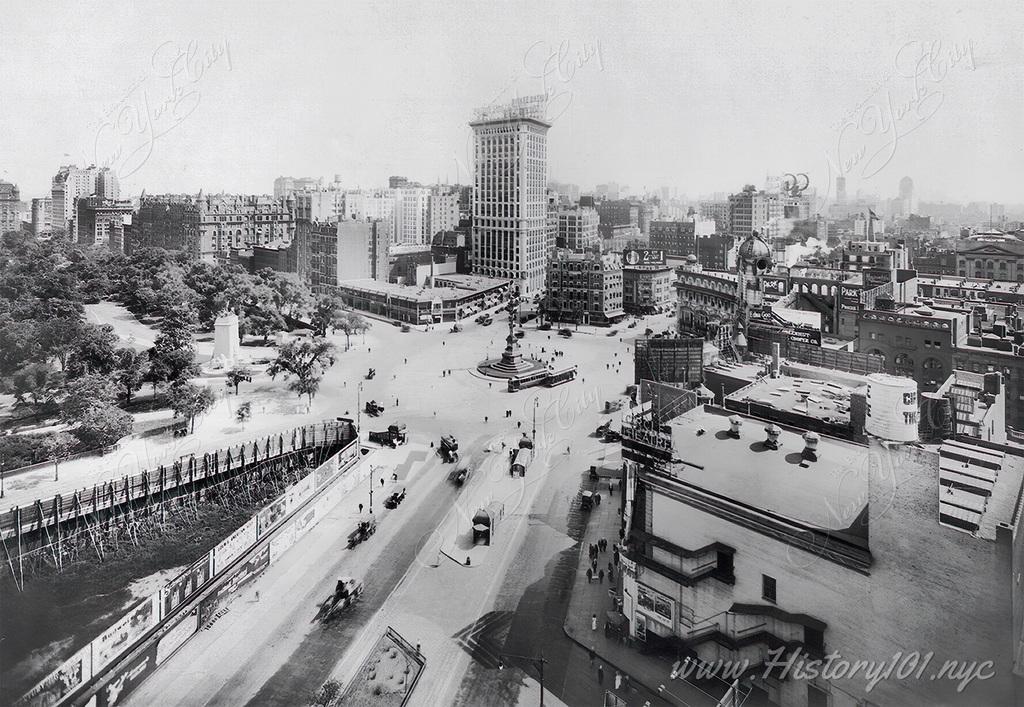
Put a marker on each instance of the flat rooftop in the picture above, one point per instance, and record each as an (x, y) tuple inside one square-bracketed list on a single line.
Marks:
[(471, 282), (414, 293), (828, 493), (825, 400), (979, 488)]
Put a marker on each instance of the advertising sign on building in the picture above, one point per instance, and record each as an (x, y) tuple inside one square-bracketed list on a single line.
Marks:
[(177, 635), (669, 360), (179, 589), (634, 257), (875, 278), (125, 633), (234, 545), (128, 678), (773, 286), (655, 605), (74, 673), (284, 539), (270, 515), (804, 336)]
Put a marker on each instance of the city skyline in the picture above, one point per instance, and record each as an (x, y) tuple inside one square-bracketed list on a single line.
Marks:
[(644, 113)]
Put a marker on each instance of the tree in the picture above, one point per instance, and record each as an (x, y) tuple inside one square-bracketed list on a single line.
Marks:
[(305, 362), (104, 426), (171, 365), (264, 322), (59, 337), (58, 447), (37, 382), (290, 295), (324, 314), (132, 369), (19, 344), (93, 352), (243, 413), (189, 401), (350, 323), (238, 375), (84, 395)]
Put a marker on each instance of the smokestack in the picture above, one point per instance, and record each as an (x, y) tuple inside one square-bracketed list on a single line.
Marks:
[(735, 423), (775, 360), (810, 446), (773, 431)]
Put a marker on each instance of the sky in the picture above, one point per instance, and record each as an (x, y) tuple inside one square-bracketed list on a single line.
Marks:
[(700, 97)]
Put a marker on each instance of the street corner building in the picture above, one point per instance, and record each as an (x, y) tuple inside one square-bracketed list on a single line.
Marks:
[(770, 527)]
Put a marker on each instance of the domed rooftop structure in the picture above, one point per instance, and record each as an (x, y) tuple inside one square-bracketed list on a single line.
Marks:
[(754, 251), (691, 258)]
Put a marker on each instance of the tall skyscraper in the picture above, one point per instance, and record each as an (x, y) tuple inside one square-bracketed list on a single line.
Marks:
[(510, 191), (907, 195), (840, 190), (72, 182), (10, 208)]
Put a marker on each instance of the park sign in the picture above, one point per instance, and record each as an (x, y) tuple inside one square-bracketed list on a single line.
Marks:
[(636, 257)]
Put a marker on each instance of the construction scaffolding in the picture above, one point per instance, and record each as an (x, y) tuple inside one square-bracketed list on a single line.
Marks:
[(59, 531)]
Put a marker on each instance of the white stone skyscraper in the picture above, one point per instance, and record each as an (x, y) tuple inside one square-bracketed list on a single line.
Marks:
[(510, 192)]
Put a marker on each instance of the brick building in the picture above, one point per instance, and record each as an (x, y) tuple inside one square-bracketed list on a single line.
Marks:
[(585, 288)]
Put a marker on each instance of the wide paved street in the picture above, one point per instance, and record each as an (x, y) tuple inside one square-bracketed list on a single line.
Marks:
[(515, 595)]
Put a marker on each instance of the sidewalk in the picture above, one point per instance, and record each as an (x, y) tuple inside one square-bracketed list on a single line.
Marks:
[(594, 598)]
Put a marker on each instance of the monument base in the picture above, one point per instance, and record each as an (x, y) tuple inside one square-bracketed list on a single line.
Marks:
[(506, 368)]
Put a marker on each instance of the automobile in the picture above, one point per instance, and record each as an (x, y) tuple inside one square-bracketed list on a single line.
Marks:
[(487, 322), (396, 323), (546, 326), (520, 333), (612, 436), (612, 332), (405, 328), (648, 331), (632, 325), (565, 332)]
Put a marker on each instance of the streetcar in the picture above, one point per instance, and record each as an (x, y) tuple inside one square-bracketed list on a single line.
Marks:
[(527, 380), (559, 377)]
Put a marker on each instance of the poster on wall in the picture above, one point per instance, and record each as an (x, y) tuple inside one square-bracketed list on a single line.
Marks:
[(305, 520), (300, 492), (127, 679), (179, 589), (234, 545), (272, 514), (284, 539), (177, 635), (75, 672), (326, 471), (125, 633), (239, 576)]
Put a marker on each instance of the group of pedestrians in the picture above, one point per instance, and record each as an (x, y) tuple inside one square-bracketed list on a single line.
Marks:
[(593, 572)]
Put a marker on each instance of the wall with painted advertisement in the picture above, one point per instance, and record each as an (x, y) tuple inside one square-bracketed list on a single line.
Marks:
[(655, 606), (232, 547), (125, 633), (63, 681), (327, 471), (178, 590), (241, 575), (128, 678), (175, 637)]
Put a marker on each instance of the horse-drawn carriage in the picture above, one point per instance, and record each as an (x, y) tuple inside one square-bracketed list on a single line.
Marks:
[(371, 373), (373, 409), (346, 593), (363, 531), (449, 449), (395, 499)]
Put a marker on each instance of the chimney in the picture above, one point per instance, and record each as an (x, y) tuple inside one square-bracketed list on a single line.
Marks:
[(735, 423), (775, 360), (773, 431), (810, 446)]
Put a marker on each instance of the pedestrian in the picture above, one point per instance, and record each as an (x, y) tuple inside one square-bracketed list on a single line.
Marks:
[(622, 533), (485, 418), (593, 625), (616, 557), (382, 482), (360, 508), (567, 450), (257, 595), (407, 360), (618, 680), (591, 654), (611, 573), (593, 566), (394, 477), (600, 576), (590, 576), (610, 567), (600, 674), (396, 402), (625, 681), (519, 425)]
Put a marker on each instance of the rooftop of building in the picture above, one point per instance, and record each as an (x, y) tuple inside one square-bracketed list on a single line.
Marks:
[(828, 492), (420, 294), (819, 397), (717, 274), (980, 485), (464, 281), (969, 283)]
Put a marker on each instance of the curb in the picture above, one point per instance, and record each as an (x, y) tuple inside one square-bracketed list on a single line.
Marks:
[(645, 685)]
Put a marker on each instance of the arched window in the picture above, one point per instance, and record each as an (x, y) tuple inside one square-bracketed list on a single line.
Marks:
[(904, 364), (932, 365)]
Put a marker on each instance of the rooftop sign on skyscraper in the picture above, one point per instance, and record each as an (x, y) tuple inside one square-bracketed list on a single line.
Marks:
[(530, 107)]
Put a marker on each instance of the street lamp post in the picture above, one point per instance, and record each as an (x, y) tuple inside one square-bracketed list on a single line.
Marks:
[(537, 662), (372, 468)]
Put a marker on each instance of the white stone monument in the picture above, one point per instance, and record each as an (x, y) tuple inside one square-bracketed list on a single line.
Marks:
[(225, 341)]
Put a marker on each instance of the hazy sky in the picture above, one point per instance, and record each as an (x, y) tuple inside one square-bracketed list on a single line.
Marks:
[(701, 96)]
